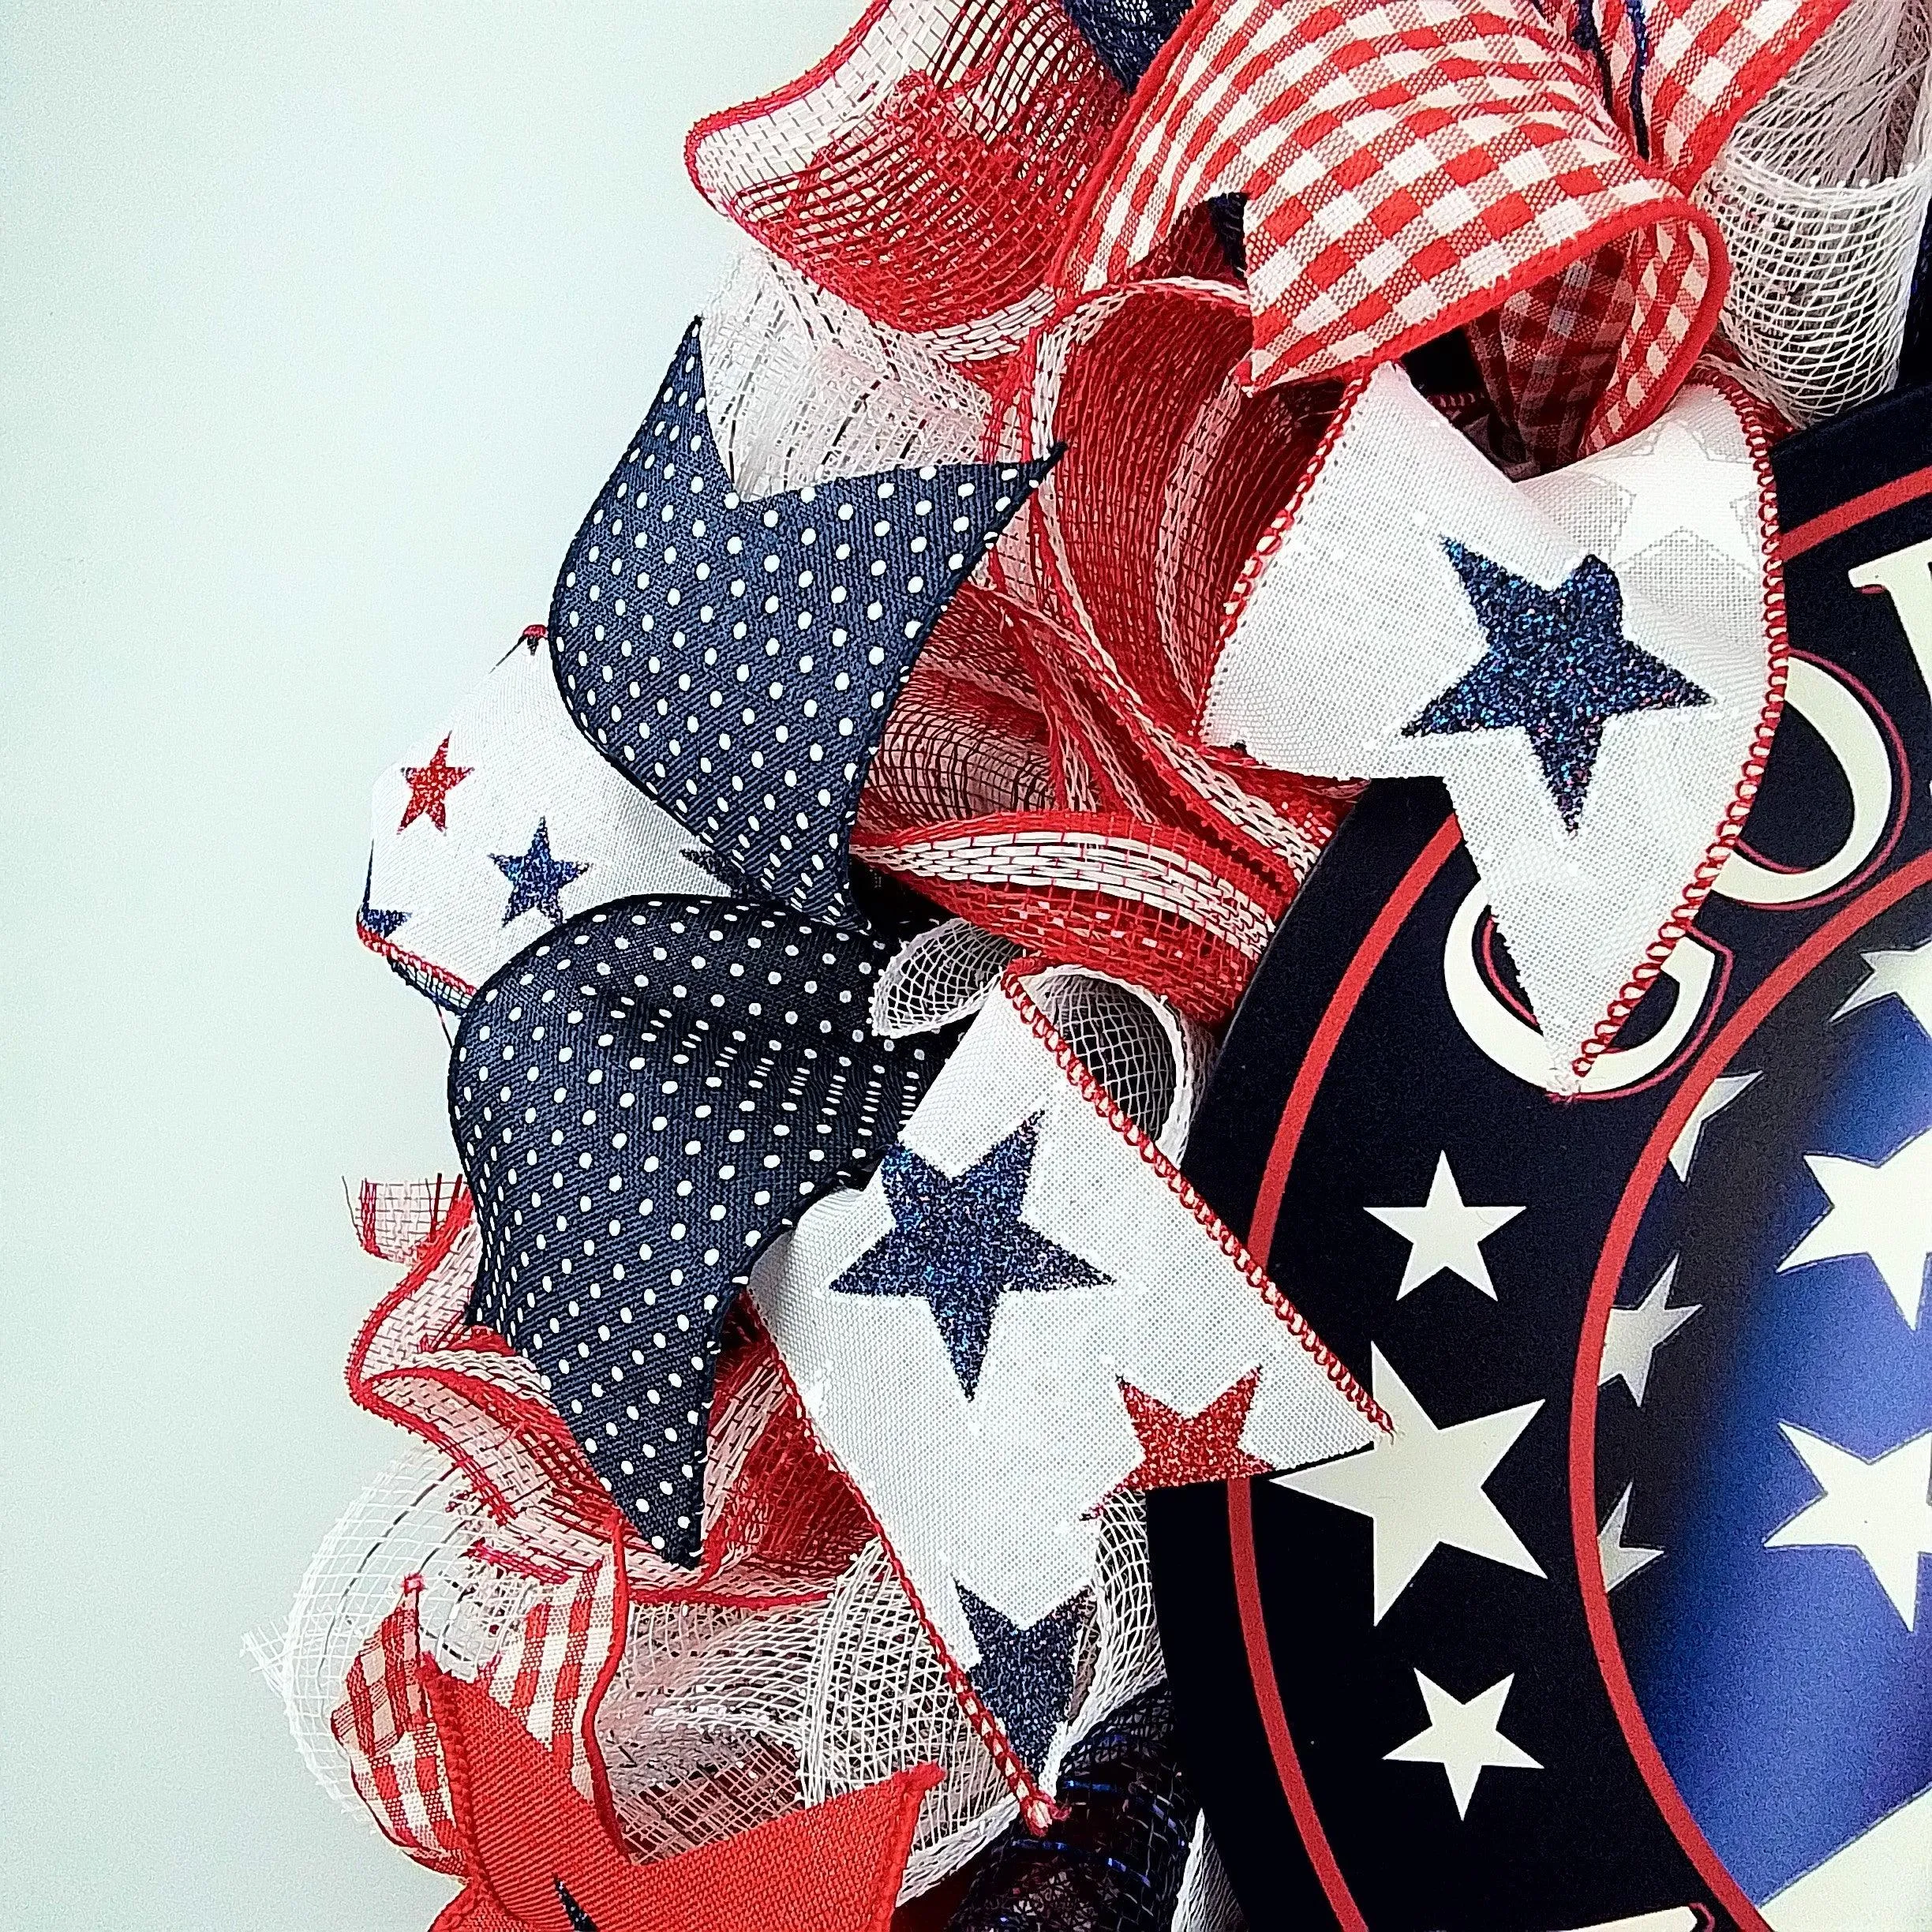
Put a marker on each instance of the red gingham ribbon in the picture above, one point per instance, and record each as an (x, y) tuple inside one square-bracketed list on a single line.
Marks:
[(1410, 165)]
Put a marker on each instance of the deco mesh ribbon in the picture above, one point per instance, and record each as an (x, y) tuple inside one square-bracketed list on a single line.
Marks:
[(1023, 563)]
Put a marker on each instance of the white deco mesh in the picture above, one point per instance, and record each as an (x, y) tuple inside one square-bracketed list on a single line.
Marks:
[(1207, 1903), (1125, 1645), (878, 1700), (720, 1715), (1151, 1059), (701, 1727), (417, 1517), (1822, 193), (802, 388), (1154, 1060), (938, 976)]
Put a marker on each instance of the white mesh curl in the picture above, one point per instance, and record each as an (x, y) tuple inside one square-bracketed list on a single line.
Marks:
[(1822, 193), (877, 1702), (1207, 1903), (801, 388), (938, 976), (1153, 1060), (418, 1517), (700, 1728)]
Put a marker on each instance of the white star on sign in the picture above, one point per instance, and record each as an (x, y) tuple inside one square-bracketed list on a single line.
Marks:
[(1883, 1212), (1620, 1560), (1878, 1508), (1634, 1336), (1463, 1739), (1904, 974), (1444, 1233), (1713, 1100), (1424, 1487), (1704, 499)]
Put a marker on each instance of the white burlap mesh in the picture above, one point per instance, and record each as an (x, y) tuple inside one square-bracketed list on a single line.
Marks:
[(1822, 194), (802, 388), (418, 1517), (1207, 1903), (1151, 1058)]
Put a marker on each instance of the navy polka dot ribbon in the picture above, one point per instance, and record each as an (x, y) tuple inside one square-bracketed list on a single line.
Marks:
[(737, 659), (641, 1101), (643, 1098)]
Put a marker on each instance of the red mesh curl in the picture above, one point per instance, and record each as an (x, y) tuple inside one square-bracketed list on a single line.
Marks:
[(925, 169), (967, 735)]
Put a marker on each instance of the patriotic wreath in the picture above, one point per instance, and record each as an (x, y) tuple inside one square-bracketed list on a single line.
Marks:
[(906, 1401)]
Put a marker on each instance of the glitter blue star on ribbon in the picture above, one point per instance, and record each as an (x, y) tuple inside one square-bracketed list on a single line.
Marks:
[(537, 878), (1558, 666), (1025, 1675), (960, 1244)]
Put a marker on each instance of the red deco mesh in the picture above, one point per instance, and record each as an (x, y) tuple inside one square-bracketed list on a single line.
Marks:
[(1170, 472), (968, 800), (967, 736), (774, 1513), (923, 171)]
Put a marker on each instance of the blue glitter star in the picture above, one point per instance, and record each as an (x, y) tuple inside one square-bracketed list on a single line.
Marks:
[(1026, 1676), (535, 878), (960, 1244), (1558, 665), (375, 918)]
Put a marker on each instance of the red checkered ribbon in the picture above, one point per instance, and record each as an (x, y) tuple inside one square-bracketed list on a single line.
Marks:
[(1410, 165), (549, 1675), (383, 1726)]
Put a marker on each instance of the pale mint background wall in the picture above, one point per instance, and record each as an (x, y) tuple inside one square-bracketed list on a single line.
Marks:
[(320, 326)]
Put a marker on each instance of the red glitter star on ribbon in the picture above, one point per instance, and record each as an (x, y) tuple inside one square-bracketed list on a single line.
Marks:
[(1206, 1447), (430, 786)]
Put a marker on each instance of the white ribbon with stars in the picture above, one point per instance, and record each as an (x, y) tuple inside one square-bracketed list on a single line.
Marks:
[(1590, 660), (1117, 1275), (501, 825)]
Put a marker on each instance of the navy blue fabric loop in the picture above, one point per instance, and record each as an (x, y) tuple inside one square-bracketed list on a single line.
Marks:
[(641, 1100), (1127, 34), (736, 659)]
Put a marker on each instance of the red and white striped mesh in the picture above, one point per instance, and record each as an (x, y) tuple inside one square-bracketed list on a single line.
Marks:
[(1171, 472)]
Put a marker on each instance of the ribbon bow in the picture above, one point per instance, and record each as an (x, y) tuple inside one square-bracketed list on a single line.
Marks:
[(1405, 168), (1593, 661)]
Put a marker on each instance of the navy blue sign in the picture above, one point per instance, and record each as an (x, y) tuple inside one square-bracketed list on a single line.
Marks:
[(1631, 1624)]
